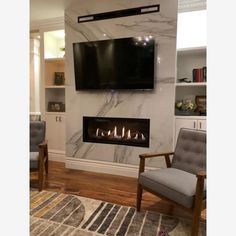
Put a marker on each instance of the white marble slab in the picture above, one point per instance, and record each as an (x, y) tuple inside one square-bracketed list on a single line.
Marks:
[(157, 105)]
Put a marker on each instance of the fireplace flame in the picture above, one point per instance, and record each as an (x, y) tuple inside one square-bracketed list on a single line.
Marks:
[(128, 135), (123, 134), (115, 132), (142, 137)]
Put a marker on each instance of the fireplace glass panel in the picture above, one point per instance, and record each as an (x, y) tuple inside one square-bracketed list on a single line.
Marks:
[(124, 131)]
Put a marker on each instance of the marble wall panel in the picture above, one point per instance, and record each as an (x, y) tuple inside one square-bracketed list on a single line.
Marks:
[(157, 104)]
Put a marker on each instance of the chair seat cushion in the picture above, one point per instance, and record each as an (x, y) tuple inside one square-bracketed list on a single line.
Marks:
[(174, 184), (34, 157)]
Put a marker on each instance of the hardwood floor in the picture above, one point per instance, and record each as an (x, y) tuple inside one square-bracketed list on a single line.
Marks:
[(106, 187)]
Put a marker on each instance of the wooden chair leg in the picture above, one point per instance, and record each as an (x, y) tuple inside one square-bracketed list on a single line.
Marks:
[(40, 179), (41, 169), (46, 166), (46, 162), (195, 223), (197, 207), (139, 197)]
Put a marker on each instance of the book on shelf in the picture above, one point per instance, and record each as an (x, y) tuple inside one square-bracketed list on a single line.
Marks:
[(199, 74), (204, 73)]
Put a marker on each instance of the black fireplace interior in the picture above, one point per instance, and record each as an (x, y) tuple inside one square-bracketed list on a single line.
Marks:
[(124, 131)]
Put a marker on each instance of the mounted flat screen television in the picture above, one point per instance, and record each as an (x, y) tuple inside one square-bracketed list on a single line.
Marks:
[(125, 63)]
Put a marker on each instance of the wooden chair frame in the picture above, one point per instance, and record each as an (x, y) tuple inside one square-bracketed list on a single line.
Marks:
[(42, 164), (199, 202)]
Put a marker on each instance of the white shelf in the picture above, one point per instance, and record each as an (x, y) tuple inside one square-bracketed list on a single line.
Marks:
[(190, 117), (191, 84), (54, 59), (55, 86), (191, 50)]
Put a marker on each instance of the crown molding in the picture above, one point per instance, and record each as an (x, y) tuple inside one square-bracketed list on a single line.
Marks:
[(47, 24), (191, 5)]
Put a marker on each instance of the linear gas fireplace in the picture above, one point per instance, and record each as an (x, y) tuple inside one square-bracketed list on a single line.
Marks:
[(124, 131)]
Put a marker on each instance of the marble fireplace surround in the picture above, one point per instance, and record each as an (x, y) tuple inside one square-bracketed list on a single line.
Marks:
[(156, 105)]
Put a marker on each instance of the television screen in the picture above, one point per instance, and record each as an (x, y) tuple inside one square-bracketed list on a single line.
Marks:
[(126, 63)]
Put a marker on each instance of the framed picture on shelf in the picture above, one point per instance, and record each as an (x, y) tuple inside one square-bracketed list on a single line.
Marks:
[(59, 78), (56, 107), (201, 104)]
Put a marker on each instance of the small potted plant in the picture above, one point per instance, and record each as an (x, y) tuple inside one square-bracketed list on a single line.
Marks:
[(185, 107), (63, 50)]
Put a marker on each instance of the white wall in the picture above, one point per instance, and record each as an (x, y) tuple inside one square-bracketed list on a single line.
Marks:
[(192, 29)]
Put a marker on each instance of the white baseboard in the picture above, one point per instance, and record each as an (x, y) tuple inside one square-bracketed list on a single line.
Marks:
[(56, 156), (103, 167)]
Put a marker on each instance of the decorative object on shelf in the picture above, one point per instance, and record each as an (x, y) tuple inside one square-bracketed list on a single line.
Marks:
[(56, 107), (204, 73), (201, 104), (199, 74), (185, 107), (63, 50), (59, 78), (184, 80)]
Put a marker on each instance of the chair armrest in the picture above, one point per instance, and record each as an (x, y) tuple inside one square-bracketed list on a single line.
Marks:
[(43, 144), (201, 174), (147, 155)]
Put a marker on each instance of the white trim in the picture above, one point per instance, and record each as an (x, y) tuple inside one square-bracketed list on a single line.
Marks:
[(103, 167), (56, 156)]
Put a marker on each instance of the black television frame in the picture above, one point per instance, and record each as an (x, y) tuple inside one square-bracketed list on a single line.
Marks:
[(151, 87)]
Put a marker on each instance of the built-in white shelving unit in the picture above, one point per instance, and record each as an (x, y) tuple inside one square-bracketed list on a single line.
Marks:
[(54, 92), (189, 59)]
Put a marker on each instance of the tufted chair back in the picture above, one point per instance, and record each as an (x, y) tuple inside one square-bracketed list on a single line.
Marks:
[(37, 134), (190, 151)]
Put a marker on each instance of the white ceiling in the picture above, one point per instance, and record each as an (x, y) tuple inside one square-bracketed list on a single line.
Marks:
[(49, 9)]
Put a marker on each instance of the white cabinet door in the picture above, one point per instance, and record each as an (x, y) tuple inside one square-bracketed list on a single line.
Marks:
[(184, 123), (201, 124), (55, 132)]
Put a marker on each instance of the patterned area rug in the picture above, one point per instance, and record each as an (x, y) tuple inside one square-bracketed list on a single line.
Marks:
[(60, 214)]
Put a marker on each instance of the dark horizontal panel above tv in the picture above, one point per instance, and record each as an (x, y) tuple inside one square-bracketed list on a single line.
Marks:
[(119, 13)]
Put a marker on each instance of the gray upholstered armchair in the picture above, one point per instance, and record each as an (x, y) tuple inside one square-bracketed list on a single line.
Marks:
[(183, 182), (38, 150)]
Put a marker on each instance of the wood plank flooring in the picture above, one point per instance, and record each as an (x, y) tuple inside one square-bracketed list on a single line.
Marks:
[(106, 187)]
